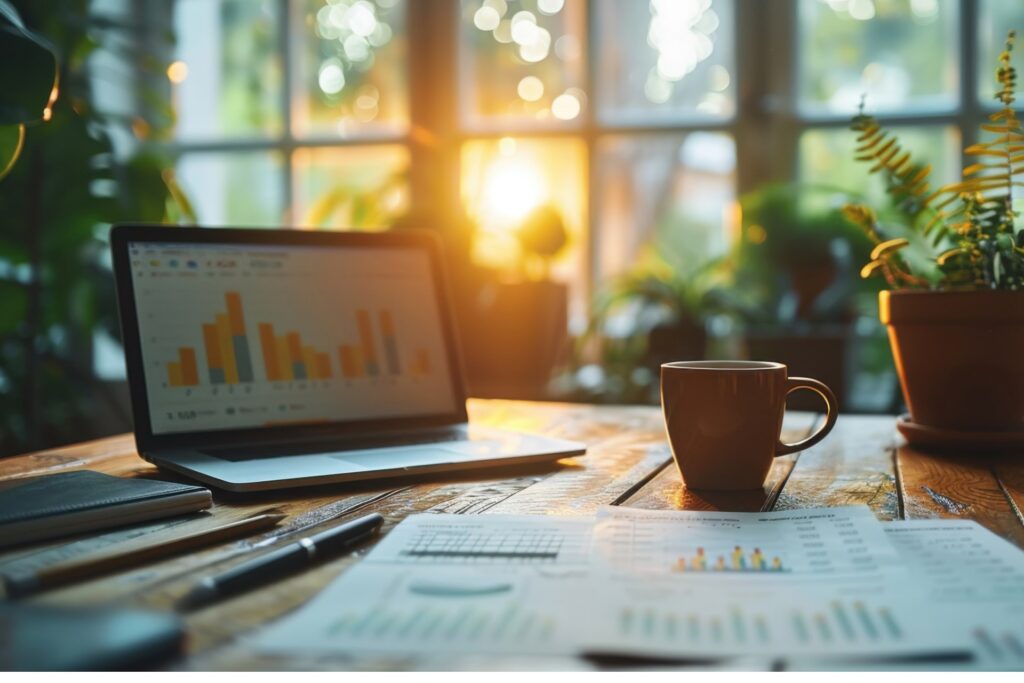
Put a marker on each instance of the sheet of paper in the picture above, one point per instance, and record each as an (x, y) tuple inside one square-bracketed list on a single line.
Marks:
[(807, 583), (453, 583), (486, 539), (809, 544), (974, 581), (825, 582)]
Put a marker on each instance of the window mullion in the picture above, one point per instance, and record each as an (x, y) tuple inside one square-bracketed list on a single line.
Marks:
[(289, 42), (971, 110), (767, 129)]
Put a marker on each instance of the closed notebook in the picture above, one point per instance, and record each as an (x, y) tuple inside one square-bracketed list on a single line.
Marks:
[(40, 508)]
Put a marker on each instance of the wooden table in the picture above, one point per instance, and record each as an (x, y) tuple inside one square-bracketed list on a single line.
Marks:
[(628, 463)]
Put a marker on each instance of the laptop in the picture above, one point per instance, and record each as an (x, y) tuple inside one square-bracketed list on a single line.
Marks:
[(266, 359)]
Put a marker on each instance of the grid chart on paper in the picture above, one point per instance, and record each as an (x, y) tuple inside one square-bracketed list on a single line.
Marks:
[(518, 547)]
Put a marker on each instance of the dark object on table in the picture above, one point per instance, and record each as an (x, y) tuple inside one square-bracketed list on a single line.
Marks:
[(39, 508), (281, 562), (45, 638)]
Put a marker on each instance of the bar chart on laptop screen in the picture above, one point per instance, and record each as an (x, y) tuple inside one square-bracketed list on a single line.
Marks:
[(236, 337)]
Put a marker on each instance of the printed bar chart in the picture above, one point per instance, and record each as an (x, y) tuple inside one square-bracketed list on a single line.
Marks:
[(842, 622), (735, 560), (443, 626)]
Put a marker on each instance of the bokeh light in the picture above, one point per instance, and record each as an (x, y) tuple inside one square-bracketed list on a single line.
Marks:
[(177, 72), (531, 88)]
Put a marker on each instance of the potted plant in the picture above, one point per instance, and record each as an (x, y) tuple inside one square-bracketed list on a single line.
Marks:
[(793, 288), (957, 328), (517, 329)]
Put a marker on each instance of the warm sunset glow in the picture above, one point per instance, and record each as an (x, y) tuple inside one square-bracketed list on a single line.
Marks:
[(512, 188)]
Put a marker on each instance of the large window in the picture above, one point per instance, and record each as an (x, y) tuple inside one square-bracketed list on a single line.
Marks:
[(638, 122)]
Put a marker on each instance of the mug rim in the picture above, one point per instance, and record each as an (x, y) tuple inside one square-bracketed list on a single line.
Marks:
[(713, 365)]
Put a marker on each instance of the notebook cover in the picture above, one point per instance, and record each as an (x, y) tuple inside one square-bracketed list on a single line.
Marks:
[(58, 494), (48, 638), (56, 504)]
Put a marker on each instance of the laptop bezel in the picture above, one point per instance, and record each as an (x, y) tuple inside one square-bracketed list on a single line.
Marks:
[(121, 236)]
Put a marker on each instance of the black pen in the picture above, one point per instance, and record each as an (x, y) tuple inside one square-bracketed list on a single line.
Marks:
[(281, 562)]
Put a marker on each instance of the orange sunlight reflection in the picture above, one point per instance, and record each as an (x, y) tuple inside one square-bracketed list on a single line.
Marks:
[(504, 180)]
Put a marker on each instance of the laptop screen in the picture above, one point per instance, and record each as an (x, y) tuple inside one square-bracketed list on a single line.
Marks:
[(242, 336)]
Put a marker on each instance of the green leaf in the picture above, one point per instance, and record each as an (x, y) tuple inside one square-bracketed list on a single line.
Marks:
[(12, 138), (28, 71)]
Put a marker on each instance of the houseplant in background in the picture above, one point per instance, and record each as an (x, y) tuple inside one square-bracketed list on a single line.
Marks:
[(957, 330), (793, 288), (655, 312), (67, 187), (517, 330)]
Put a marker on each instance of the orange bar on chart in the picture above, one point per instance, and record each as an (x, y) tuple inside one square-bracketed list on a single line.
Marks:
[(189, 369), (214, 360), (284, 359), (270, 361), (323, 366), (214, 357), (227, 349), (423, 361), (174, 374), (234, 302), (347, 356)]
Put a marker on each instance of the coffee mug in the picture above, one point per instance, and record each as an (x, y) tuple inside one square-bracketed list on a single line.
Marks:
[(724, 419)]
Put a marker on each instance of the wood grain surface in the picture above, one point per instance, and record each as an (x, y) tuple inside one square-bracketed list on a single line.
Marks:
[(627, 463)]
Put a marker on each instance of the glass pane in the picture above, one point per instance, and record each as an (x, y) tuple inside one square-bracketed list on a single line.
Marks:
[(351, 74), (227, 78), (996, 17), (671, 193), (900, 54), (237, 189), (665, 60), (505, 182), (827, 158), (522, 60), (363, 188)]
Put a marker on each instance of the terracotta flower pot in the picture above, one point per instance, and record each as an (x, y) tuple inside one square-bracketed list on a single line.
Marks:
[(960, 357)]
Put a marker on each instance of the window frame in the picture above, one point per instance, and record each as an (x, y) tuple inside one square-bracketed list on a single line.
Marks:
[(766, 127)]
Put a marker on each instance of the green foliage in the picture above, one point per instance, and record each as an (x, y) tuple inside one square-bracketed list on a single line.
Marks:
[(972, 221), (793, 261), (28, 90), (55, 284)]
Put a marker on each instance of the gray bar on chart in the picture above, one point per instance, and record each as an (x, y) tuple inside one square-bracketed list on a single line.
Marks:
[(299, 370), (217, 376), (242, 359)]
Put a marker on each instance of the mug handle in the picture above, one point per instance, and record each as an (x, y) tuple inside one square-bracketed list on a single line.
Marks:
[(795, 384)]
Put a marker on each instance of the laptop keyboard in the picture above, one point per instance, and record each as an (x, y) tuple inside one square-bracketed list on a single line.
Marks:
[(256, 452)]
